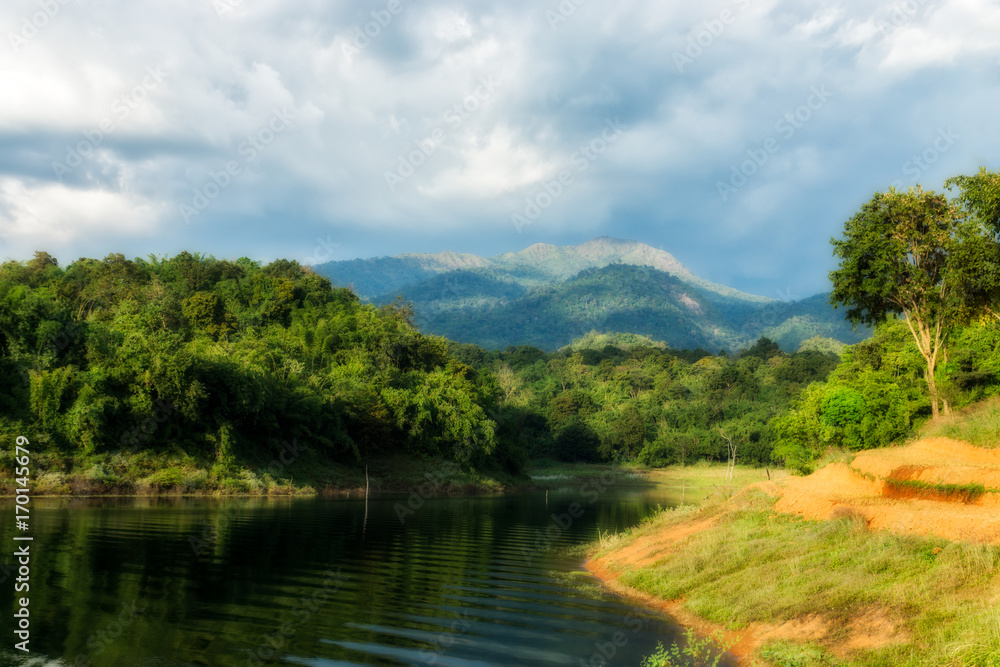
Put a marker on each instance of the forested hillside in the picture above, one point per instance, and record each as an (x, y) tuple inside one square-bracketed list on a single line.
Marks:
[(629, 401), (497, 312), (228, 366), (547, 296), (229, 363)]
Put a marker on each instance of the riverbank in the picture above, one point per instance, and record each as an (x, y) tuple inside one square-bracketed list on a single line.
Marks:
[(296, 473), (293, 473), (869, 578)]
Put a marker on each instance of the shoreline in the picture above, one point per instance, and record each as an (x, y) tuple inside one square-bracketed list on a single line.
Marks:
[(739, 641), (836, 566), (425, 478)]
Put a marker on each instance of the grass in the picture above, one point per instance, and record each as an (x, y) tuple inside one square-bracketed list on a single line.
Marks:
[(978, 424), (756, 566), (915, 488), (552, 474), (790, 654), (701, 482)]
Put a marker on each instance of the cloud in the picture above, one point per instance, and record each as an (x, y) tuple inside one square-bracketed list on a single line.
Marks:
[(698, 85)]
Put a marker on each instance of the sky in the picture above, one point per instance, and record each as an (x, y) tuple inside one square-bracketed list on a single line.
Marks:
[(738, 135)]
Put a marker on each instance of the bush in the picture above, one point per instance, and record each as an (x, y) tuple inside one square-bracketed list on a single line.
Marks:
[(696, 652)]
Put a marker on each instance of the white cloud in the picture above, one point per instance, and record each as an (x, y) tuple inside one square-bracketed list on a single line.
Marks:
[(490, 167), (51, 215), (357, 114)]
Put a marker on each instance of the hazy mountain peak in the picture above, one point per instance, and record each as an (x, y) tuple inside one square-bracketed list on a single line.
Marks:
[(547, 295), (536, 265), (446, 259)]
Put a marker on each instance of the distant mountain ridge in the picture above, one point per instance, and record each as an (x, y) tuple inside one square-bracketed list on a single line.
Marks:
[(537, 264), (547, 296)]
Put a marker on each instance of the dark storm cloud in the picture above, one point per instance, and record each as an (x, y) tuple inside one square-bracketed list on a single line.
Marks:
[(327, 131)]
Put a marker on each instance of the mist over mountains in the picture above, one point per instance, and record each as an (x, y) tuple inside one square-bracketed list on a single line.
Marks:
[(548, 295)]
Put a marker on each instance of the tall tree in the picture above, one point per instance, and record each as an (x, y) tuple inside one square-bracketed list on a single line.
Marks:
[(894, 260), (977, 259)]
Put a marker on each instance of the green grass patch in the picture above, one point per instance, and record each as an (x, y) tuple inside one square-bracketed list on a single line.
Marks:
[(915, 488), (755, 565), (790, 654), (978, 424)]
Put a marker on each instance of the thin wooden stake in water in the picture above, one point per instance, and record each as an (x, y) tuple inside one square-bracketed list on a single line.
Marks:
[(365, 526)]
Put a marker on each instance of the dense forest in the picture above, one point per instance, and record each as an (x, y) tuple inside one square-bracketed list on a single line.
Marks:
[(230, 363), (471, 306), (624, 398), (230, 366)]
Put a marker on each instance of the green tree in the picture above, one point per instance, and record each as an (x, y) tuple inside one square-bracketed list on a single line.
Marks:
[(205, 311), (976, 271), (894, 259), (577, 442)]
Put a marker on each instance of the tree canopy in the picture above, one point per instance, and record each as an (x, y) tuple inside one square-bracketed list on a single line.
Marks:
[(897, 257)]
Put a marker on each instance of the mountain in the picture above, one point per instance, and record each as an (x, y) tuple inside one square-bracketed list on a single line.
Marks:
[(539, 264), (548, 296)]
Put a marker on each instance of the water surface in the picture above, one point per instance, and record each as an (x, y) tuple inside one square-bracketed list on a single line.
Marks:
[(318, 582)]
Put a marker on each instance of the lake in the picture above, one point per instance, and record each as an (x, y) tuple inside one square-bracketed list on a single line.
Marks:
[(399, 580)]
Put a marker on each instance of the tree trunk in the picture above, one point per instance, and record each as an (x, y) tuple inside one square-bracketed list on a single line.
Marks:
[(932, 387), (930, 346)]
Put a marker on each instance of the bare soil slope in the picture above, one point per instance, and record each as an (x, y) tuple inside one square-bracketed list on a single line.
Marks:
[(865, 487)]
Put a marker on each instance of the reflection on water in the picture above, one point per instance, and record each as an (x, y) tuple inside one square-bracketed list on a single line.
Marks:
[(440, 581)]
